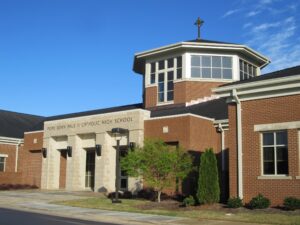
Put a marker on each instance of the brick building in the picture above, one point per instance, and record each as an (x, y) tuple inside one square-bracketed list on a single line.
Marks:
[(197, 94)]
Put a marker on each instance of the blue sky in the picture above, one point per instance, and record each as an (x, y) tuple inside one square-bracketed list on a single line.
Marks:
[(63, 56)]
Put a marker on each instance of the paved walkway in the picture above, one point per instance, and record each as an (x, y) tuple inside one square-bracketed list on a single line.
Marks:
[(39, 201)]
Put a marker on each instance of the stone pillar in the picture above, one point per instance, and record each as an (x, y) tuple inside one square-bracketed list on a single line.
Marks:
[(50, 167), (76, 175), (135, 183), (105, 164)]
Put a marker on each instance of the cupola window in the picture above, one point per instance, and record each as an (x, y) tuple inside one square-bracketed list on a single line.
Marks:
[(247, 70), (211, 67)]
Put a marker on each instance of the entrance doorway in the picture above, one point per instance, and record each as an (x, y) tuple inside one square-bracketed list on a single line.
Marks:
[(90, 169), (63, 169)]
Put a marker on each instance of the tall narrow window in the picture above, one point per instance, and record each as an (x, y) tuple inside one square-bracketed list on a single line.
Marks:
[(161, 87), (2, 164), (179, 67), (152, 74), (275, 153)]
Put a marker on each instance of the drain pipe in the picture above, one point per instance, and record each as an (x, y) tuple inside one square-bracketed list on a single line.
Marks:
[(221, 130), (17, 155), (239, 142)]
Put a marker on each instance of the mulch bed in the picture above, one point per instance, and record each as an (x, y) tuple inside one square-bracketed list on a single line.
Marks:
[(4, 187)]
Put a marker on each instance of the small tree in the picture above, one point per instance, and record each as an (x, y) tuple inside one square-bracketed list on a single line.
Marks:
[(158, 164), (208, 184)]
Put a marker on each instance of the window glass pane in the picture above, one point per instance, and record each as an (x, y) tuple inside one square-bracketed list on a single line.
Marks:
[(171, 75), (282, 167), (241, 75), (269, 168), (179, 73), (161, 87), (268, 139), (153, 67), (170, 85), (241, 64), (195, 72), (269, 154), (206, 61), (250, 70), (216, 73), (254, 71), (179, 62), (123, 173), (124, 183), (282, 154), (195, 61), (245, 67), (170, 63), (2, 159), (161, 77), (161, 65), (206, 72), (216, 61), (170, 95), (161, 97), (281, 138), (152, 81), (227, 62), (227, 73)]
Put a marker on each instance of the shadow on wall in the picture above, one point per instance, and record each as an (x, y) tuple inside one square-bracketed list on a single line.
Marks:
[(189, 185)]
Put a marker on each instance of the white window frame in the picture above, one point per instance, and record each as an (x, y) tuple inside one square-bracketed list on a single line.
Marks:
[(249, 63), (4, 164), (275, 154)]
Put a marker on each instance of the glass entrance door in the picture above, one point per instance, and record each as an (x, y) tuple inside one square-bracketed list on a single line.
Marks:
[(90, 169)]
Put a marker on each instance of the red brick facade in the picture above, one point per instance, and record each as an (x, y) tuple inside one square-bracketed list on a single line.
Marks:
[(264, 111)]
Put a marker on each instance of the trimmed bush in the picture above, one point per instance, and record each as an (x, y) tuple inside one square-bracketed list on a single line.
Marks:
[(189, 201), (259, 202), (208, 184), (291, 203), (234, 202)]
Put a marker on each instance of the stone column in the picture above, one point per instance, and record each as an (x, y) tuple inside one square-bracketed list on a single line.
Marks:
[(76, 173)]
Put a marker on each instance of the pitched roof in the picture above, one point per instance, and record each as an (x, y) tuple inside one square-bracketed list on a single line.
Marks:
[(215, 109), (210, 41), (13, 124), (40, 126), (292, 71)]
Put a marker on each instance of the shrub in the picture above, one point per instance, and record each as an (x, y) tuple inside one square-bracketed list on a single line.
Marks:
[(291, 203), (189, 201), (259, 202), (208, 184), (234, 202)]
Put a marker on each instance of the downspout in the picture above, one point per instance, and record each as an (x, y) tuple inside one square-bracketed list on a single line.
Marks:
[(220, 128), (17, 155), (239, 142)]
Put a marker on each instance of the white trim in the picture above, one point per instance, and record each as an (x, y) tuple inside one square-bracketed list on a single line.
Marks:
[(3, 155), (297, 177), (257, 83), (11, 141), (192, 79), (32, 132), (277, 126), (95, 115), (274, 177), (181, 115)]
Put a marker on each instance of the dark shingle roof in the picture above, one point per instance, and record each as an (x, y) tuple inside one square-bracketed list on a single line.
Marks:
[(209, 41), (216, 109), (13, 124), (40, 126), (292, 71)]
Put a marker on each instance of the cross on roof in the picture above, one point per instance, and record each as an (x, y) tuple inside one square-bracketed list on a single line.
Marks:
[(199, 23)]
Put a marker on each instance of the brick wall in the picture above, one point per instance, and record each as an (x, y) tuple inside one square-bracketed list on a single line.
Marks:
[(10, 161), (32, 158), (265, 111), (184, 91)]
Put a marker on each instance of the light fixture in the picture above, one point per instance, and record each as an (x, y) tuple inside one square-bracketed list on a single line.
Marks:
[(98, 150), (117, 133), (44, 152), (69, 151)]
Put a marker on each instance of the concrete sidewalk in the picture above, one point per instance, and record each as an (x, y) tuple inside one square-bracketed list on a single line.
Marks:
[(39, 202)]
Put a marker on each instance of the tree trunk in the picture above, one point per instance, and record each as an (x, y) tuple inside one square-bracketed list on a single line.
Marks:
[(158, 196)]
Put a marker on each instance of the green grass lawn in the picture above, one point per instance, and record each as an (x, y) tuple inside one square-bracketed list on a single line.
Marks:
[(142, 206)]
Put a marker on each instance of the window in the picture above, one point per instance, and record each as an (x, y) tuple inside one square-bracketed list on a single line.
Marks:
[(152, 73), (179, 67), (211, 67), (247, 70), (275, 153), (2, 164), (123, 174)]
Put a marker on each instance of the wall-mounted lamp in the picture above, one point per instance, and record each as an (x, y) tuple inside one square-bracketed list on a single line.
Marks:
[(44, 152), (69, 151), (132, 145), (98, 150)]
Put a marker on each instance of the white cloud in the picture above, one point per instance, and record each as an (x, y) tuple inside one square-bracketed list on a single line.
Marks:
[(231, 12), (253, 13), (265, 26)]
